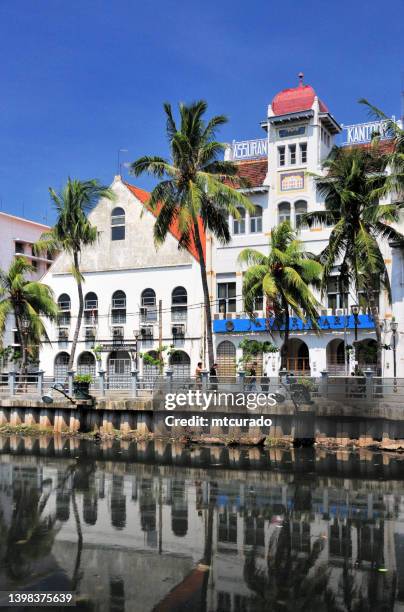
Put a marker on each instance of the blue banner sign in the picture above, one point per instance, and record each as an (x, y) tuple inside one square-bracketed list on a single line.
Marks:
[(249, 149)]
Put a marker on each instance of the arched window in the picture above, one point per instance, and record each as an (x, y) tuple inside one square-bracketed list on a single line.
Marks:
[(226, 358), (300, 210), (60, 367), (118, 224), (239, 224), (118, 309), (86, 364), (180, 364), (64, 306), (256, 220), (284, 212), (64, 302), (179, 299), (148, 310), (90, 308)]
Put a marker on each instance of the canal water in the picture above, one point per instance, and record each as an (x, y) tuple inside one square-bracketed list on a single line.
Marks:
[(153, 526)]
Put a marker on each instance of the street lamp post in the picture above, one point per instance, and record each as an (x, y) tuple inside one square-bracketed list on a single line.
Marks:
[(355, 313), (394, 327)]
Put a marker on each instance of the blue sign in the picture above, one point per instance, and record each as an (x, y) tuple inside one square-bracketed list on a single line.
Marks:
[(333, 322)]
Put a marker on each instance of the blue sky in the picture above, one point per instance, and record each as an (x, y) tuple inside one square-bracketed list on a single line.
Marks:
[(83, 78)]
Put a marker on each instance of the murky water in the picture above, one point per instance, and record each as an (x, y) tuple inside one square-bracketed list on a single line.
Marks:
[(159, 527)]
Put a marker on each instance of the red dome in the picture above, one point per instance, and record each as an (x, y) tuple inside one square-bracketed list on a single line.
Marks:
[(295, 99)]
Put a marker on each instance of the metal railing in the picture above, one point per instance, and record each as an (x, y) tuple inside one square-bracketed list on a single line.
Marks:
[(355, 390)]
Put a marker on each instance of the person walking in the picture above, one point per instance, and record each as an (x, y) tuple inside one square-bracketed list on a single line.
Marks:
[(213, 377), (198, 375)]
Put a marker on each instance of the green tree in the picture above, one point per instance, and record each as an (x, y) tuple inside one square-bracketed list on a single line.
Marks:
[(28, 300), (73, 231), (196, 189), (283, 277), (392, 154), (354, 180)]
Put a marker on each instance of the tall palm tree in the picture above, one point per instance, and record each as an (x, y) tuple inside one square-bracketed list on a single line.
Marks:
[(283, 277), (355, 179), (28, 300), (196, 189), (73, 231)]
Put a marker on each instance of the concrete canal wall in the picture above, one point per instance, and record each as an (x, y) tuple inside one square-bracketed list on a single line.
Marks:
[(365, 421)]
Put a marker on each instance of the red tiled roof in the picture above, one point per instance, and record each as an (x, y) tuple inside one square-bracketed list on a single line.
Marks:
[(383, 146), (144, 196), (253, 171), (295, 99)]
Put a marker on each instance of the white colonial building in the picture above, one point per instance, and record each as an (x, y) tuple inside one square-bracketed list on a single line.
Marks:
[(132, 291), (17, 235), (300, 134), (126, 277)]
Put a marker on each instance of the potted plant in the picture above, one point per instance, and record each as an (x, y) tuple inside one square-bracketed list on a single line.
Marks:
[(81, 385)]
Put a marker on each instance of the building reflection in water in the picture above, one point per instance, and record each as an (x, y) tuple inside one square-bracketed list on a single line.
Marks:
[(295, 533)]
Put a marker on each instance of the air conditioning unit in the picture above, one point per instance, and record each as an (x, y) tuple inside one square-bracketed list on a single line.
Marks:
[(146, 332), (117, 332), (90, 332), (178, 331), (340, 312), (326, 312), (63, 334)]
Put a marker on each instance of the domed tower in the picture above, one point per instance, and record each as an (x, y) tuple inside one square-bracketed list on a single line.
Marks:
[(301, 134)]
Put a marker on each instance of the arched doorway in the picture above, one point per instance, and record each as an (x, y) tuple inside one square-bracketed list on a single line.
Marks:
[(297, 358), (335, 352), (180, 364), (86, 364), (60, 367), (150, 369), (118, 368), (226, 358), (366, 354)]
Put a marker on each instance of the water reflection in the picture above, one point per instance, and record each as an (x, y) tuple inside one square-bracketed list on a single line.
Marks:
[(163, 528)]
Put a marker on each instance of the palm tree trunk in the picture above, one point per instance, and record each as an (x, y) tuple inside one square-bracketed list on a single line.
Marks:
[(21, 335), (378, 329), (285, 348), (80, 313), (208, 313)]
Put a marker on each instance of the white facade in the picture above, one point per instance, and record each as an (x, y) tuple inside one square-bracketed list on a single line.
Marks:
[(298, 142), (124, 281), (17, 235)]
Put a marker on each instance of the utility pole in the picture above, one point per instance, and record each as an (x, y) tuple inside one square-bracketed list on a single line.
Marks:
[(161, 335)]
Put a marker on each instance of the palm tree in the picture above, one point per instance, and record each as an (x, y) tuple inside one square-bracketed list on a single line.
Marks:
[(196, 189), (73, 231), (28, 300), (284, 277), (393, 154), (355, 179)]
